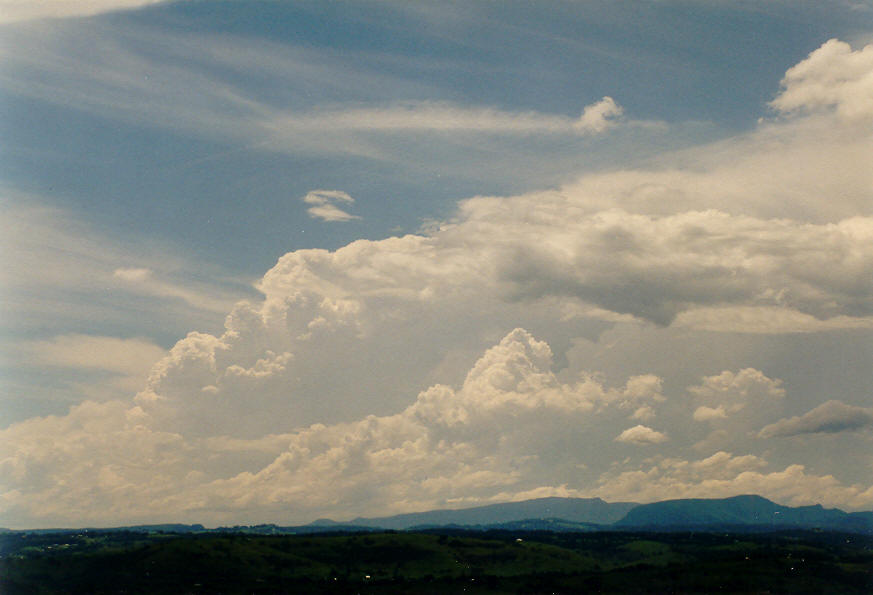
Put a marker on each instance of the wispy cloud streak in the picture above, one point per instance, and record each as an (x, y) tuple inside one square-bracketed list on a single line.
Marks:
[(12, 11), (324, 205)]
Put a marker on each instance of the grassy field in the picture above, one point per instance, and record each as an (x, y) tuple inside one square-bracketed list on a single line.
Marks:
[(437, 562)]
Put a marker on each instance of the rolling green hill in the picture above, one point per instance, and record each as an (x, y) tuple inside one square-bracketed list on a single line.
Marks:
[(441, 561)]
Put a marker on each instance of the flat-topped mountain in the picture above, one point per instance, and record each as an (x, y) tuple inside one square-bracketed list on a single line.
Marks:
[(748, 510)]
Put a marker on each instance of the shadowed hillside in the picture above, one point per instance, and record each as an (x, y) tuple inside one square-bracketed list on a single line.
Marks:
[(741, 511), (442, 561)]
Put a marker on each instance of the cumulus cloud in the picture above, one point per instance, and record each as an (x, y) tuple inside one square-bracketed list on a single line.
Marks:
[(744, 385), (830, 417), (324, 205), (502, 434), (641, 435), (550, 245), (657, 267), (723, 475), (732, 404), (833, 77), (599, 116), (704, 413), (501, 431), (97, 462)]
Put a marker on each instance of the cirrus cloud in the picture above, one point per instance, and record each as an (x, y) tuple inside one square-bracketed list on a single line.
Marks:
[(24, 10)]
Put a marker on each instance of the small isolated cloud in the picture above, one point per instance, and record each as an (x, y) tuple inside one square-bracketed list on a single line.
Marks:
[(748, 383), (599, 116), (830, 418), (324, 205), (641, 435), (132, 275)]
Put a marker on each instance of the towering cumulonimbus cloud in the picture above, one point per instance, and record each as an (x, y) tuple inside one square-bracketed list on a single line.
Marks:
[(307, 401)]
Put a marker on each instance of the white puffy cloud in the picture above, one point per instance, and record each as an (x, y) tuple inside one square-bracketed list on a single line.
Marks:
[(704, 413), (723, 475), (324, 207), (742, 386), (492, 435), (512, 429), (833, 77), (599, 116), (732, 405), (641, 435), (98, 462), (502, 430), (830, 417)]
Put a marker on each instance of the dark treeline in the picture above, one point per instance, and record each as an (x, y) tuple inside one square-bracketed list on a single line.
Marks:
[(439, 561)]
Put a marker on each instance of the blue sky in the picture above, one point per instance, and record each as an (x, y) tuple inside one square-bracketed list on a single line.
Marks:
[(139, 171), (392, 189)]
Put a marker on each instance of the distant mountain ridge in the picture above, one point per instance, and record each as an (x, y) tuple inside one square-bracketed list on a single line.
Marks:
[(575, 510), (738, 513)]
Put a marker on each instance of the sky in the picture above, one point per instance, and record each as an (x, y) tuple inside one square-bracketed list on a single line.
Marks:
[(276, 261)]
